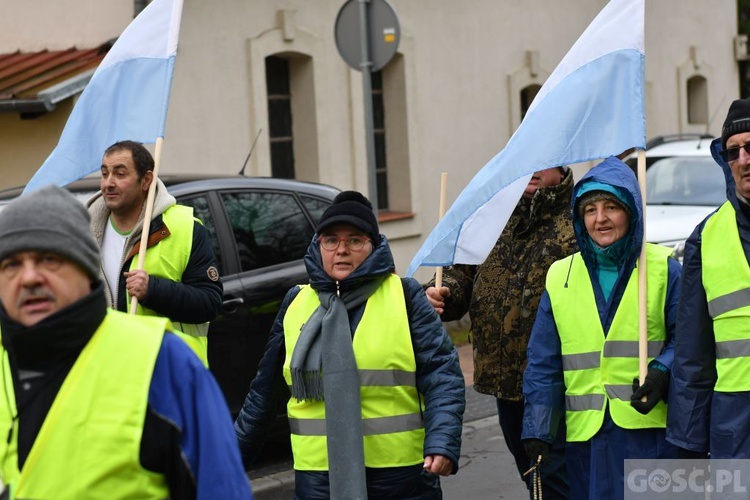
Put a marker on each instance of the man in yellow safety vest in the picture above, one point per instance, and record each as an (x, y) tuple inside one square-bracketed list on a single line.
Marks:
[(97, 403)]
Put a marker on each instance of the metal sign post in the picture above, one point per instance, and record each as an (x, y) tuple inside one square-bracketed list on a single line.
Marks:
[(365, 65), (367, 35)]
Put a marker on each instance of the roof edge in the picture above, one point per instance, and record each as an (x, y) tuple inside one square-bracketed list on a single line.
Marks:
[(66, 88), (26, 106), (48, 98)]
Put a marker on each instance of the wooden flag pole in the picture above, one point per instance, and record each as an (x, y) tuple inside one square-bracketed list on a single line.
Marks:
[(441, 212), (147, 217), (642, 278)]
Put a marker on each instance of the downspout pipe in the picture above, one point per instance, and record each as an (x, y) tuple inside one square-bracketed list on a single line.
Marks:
[(138, 6)]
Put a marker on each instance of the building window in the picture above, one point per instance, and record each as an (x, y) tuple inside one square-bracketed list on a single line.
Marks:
[(280, 117), (381, 159), (697, 100), (527, 97)]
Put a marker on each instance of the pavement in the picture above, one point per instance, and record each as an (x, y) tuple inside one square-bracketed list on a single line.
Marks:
[(486, 467)]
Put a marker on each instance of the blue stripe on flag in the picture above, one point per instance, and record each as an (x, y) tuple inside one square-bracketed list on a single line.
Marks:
[(127, 101), (594, 112)]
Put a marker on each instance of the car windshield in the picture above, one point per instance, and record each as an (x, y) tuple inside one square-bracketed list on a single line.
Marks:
[(681, 180)]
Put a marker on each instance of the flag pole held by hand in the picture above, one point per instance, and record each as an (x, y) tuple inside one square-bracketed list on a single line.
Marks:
[(443, 189), (147, 217), (642, 279)]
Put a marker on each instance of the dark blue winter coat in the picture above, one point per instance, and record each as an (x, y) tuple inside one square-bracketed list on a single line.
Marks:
[(698, 418), (439, 378), (543, 385)]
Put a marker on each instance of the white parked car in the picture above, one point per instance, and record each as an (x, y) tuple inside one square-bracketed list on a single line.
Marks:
[(683, 185)]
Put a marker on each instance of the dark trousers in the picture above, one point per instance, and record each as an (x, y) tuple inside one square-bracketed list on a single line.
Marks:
[(409, 482), (596, 467), (554, 475)]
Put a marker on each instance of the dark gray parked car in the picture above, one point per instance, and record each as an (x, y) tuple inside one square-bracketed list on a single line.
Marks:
[(260, 228)]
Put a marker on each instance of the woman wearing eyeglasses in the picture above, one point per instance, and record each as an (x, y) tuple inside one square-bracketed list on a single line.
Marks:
[(377, 393)]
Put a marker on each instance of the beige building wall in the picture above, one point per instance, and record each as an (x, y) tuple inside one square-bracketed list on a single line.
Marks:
[(25, 144), (32, 25), (452, 87)]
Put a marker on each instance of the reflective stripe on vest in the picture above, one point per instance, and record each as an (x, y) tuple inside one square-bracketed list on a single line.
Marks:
[(726, 279), (391, 406), (169, 259), (612, 349), (371, 426), (89, 444), (386, 378), (596, 370)]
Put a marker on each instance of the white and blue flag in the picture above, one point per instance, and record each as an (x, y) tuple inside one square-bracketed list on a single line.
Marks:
[(591, 107), (127, 97)]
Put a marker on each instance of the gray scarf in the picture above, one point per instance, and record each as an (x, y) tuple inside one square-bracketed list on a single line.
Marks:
[(324, 369)]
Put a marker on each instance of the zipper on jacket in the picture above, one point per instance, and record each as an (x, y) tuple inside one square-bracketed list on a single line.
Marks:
[(569, 268)]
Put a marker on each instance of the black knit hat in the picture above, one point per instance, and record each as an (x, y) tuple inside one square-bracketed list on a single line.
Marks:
[(351, 207), (737, 122)]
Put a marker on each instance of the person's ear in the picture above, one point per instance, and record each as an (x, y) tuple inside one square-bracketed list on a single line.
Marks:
[(146, 181)]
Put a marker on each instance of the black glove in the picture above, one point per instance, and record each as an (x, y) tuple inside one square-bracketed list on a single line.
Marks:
[(654, 388), (536, 447)]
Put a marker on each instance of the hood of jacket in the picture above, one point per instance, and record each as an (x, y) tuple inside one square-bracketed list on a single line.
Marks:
[(379, 263), (100, 213), (613, 172)]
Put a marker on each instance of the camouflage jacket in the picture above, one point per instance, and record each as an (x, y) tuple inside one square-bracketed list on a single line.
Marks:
[(502, 294)]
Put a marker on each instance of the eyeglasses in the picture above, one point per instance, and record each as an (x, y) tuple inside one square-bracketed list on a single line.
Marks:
[(732, 154), (354, 243)]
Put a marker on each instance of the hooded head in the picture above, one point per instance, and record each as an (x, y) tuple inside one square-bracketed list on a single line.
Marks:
[(597, 191), (611, 180), (349, 207)]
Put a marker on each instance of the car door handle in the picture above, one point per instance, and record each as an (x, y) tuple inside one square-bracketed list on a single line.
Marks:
[(231, 303)]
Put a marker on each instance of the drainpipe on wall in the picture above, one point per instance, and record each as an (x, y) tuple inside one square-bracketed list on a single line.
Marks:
[(138, 6)]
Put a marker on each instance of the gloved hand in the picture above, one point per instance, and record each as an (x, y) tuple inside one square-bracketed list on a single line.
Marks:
[(654, 388), (536, 447)]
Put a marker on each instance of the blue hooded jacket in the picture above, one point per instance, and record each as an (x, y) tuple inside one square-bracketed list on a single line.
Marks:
[(699, 419), (543, 385)]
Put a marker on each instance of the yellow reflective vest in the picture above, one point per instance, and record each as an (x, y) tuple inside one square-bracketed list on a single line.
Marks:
[(168, 259), (391, 406), (726, 279), (89, 444), (599, 370)]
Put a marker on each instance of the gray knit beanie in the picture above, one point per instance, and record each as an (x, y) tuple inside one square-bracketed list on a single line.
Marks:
[(50, 220)]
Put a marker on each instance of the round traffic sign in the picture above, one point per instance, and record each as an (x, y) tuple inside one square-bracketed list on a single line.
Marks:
[(383, 28)]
